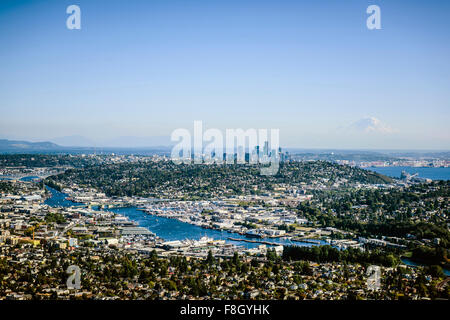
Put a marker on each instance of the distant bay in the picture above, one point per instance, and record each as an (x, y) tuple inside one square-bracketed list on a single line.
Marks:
[(438, 173)]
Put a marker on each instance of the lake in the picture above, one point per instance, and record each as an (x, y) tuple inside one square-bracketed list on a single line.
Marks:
[(412, 263), (172, 229)]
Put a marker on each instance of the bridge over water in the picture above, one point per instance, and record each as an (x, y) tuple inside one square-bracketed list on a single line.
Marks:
[(29, 175)]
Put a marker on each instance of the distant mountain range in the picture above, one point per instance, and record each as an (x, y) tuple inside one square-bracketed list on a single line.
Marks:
[(15, 146), (116, 142), (74, 141), (26, 146)]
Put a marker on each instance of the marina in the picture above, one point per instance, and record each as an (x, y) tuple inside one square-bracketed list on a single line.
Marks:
[(170, 229)]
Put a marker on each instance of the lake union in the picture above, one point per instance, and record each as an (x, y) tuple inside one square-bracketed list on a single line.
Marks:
[(172, 229)]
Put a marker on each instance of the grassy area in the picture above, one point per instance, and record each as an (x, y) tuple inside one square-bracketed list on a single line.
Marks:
[(407, 254)]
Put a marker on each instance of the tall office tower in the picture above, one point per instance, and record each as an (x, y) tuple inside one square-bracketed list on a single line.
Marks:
[(266, 148)]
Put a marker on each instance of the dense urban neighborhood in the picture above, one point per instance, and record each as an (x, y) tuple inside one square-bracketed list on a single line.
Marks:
[(312, 231)]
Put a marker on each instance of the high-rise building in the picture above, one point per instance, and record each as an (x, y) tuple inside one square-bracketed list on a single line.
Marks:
[(266, 148)]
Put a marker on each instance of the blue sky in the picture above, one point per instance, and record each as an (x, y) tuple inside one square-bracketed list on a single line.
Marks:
[(310, 68)]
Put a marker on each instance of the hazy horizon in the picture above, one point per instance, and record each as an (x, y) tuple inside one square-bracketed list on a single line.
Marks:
[(169, 145)]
